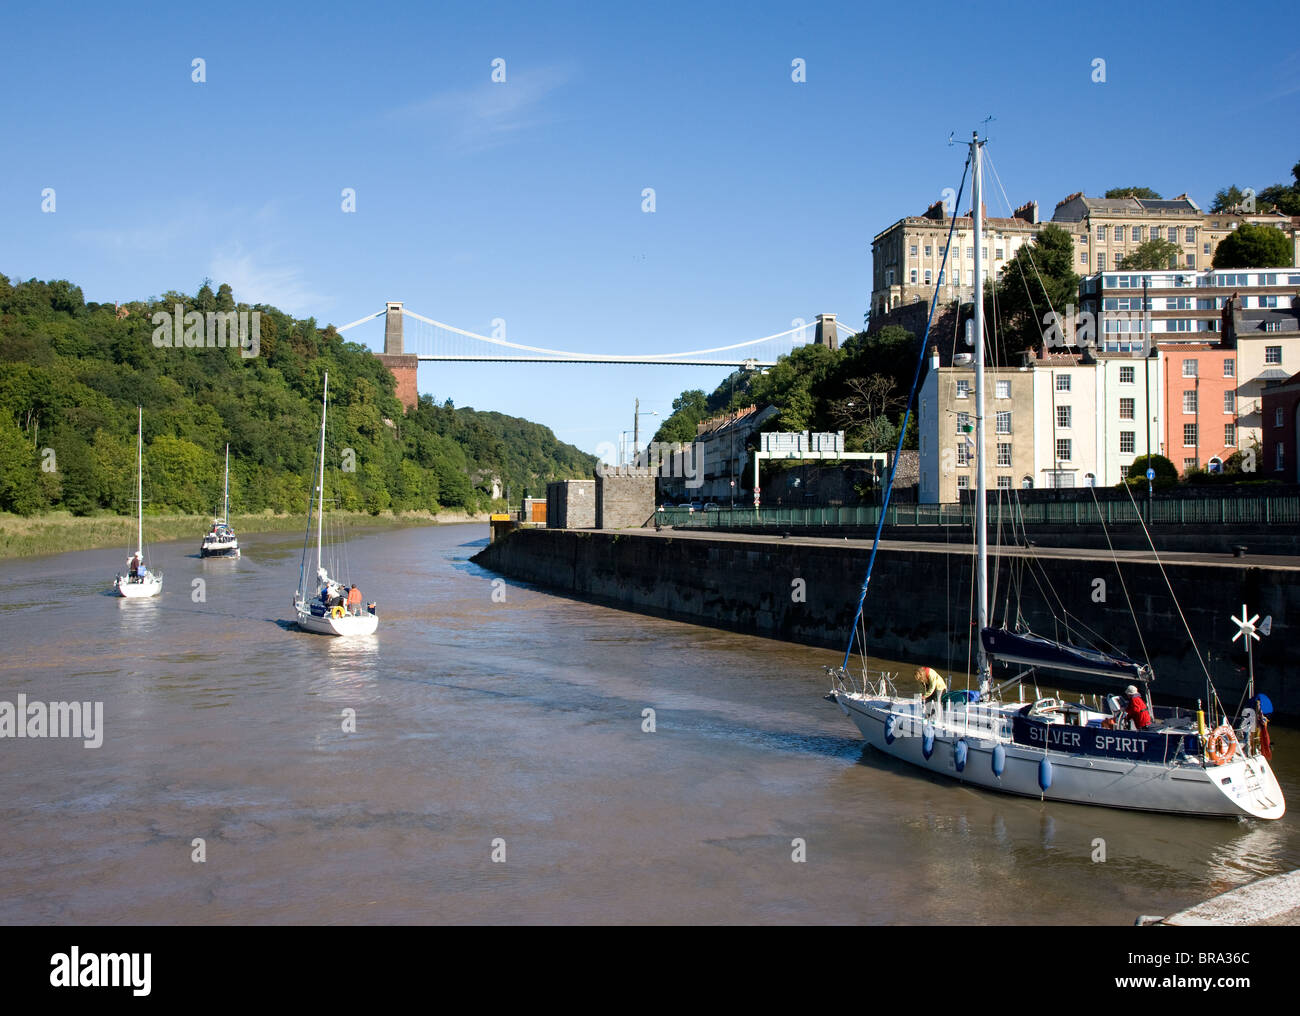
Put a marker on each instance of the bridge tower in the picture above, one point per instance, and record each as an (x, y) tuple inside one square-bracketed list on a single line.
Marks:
[(827, 334), (402, 365)]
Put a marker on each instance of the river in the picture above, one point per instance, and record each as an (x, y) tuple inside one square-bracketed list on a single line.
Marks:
[(508, 726)]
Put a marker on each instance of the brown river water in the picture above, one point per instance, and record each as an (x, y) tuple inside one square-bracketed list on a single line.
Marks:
[(516, 721)]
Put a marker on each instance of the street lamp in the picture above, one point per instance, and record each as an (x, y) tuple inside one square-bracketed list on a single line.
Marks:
[(636, 426)]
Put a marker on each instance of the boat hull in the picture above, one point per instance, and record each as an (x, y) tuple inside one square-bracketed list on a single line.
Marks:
[(124, 587), (348, 624), (1242, 787), (219, 550)]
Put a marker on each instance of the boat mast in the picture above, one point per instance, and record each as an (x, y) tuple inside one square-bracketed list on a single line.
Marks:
[(139, 481), (981, 499), (227, 484), (320, 521)]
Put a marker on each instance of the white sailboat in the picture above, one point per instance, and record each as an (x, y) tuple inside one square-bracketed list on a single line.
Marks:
[(326, 606), (220, 540), (138, 581), (1048, 748)]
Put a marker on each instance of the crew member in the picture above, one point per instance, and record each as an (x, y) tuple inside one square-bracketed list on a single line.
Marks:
[(135, 567), (1139, 716), (932, 686), (354, 600)]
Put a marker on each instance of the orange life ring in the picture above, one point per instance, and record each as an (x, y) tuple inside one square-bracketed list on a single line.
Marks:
[(1222, 745)]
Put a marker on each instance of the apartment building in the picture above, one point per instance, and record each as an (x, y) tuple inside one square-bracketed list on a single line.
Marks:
[(1129, 420), (1107, 229), (1266, 342), (1199, 398), (906, 257), (1065, 421), (946, 429), (1280, 447)]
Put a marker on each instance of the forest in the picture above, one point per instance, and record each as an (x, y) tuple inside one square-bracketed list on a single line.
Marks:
[(72, 373)]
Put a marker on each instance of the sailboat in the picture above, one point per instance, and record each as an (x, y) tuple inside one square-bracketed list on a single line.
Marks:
[(1050, 748), (325, 606), (138, 581), (220, 540)]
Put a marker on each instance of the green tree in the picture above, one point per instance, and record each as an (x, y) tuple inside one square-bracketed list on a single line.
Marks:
[(1040, 279), (20, 492), (1153, 255), (1285, 196), (1228, 198), (1251, 246), (689, 408), (1166, 472), (1145, 193)]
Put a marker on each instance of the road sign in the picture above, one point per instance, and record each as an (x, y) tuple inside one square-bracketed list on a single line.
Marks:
[(1151, 474)]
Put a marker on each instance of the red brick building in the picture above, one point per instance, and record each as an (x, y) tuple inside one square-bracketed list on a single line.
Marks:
[(1281, 431)]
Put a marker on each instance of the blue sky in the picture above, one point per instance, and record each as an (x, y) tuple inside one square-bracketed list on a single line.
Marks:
[(522, 200)]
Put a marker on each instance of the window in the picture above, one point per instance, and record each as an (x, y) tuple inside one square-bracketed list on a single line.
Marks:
[(1064, 447), (927, 250), (1272, 354), (913, 276), (997, 253), (1126, 408), (1189, 403), (912, 250), (1063, 416), (927, 276), (1127, 375), (1189, 368), (1060, 478), (1004, 482), (970, 252), (1230, 401), (963, 482), (1003, 389), (1188, 465), (1190, 235), (963, 453), (1280, 457), (1027, 483), (1205, 249), (1230, 435), (1101, 262), (1190, 261), (1004, 422), (1004, 455), (1119, 232), (1137, 234), (1229, 367), (1189, 435), (1268, 301), (963, 388), (984, 253), (1089, 480), (889, 276), (1277, 417), (1173, 233), (1062, 382), (1178, 303), (1123, 472), (1127, 442), (1083, 257), (963, 423)]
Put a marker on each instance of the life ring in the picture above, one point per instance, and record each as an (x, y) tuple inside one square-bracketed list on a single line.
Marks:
[(1222, 745), (336, 611)]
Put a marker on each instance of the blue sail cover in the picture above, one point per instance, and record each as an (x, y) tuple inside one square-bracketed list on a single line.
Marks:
[(1036, 651)]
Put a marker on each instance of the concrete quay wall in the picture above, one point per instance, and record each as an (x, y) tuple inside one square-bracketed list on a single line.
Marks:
[(805, 591)]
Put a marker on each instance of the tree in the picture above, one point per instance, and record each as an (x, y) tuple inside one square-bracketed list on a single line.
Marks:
[(1152, 255), (1166, 472), (1285, 196), (1038, 280), (1133, 192), (689, 408), (1251, 246), (864, 414), (1227, 199)]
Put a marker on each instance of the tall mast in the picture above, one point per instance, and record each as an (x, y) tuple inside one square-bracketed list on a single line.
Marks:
[(227, 484), (139, 481), (320, 520), (981, 499)]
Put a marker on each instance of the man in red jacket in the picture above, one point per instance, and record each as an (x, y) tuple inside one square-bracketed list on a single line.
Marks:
[(1138, 714)]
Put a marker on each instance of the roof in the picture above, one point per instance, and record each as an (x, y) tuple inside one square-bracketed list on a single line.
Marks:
[(1075, 207)]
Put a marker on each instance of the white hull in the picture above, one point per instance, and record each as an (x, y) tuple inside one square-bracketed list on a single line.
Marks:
[(348, 624), (219, 549), (151, 586), (1242, 787)]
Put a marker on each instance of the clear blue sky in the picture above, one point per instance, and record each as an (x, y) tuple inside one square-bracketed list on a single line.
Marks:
[(522, 200)]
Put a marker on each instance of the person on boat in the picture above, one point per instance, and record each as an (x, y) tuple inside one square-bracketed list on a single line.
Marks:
[(354, 600), (135, 567), (1139, 716), (932, 687)]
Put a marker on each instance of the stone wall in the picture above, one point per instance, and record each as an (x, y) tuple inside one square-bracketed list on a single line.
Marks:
[(571, 504), (624, 500), (918, 609)]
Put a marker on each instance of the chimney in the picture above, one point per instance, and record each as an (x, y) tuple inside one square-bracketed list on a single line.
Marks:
[(1028, 211)]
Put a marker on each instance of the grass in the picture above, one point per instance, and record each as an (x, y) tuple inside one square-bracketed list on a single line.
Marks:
[(58, 532)]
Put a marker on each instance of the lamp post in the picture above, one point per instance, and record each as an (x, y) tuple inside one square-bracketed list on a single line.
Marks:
[(636, 426)]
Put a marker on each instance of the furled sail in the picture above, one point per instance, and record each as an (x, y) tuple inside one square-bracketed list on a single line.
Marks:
[(1035, 651)]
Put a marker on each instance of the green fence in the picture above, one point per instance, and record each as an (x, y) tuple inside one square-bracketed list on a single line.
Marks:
[(1257, 511)]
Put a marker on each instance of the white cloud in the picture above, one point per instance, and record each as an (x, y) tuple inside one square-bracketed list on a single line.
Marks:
[(256, 277), (475, 119)]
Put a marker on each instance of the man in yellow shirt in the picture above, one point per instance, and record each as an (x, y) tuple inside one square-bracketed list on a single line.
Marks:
[(932, 687)]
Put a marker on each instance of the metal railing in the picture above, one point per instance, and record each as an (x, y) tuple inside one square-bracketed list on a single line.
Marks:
[(1259, 511)]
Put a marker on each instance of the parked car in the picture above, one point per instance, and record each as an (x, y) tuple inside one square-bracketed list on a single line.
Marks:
[(696, 506), (712, 506)]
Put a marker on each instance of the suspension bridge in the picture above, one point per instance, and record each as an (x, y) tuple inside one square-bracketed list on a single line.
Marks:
[(431, 340)]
